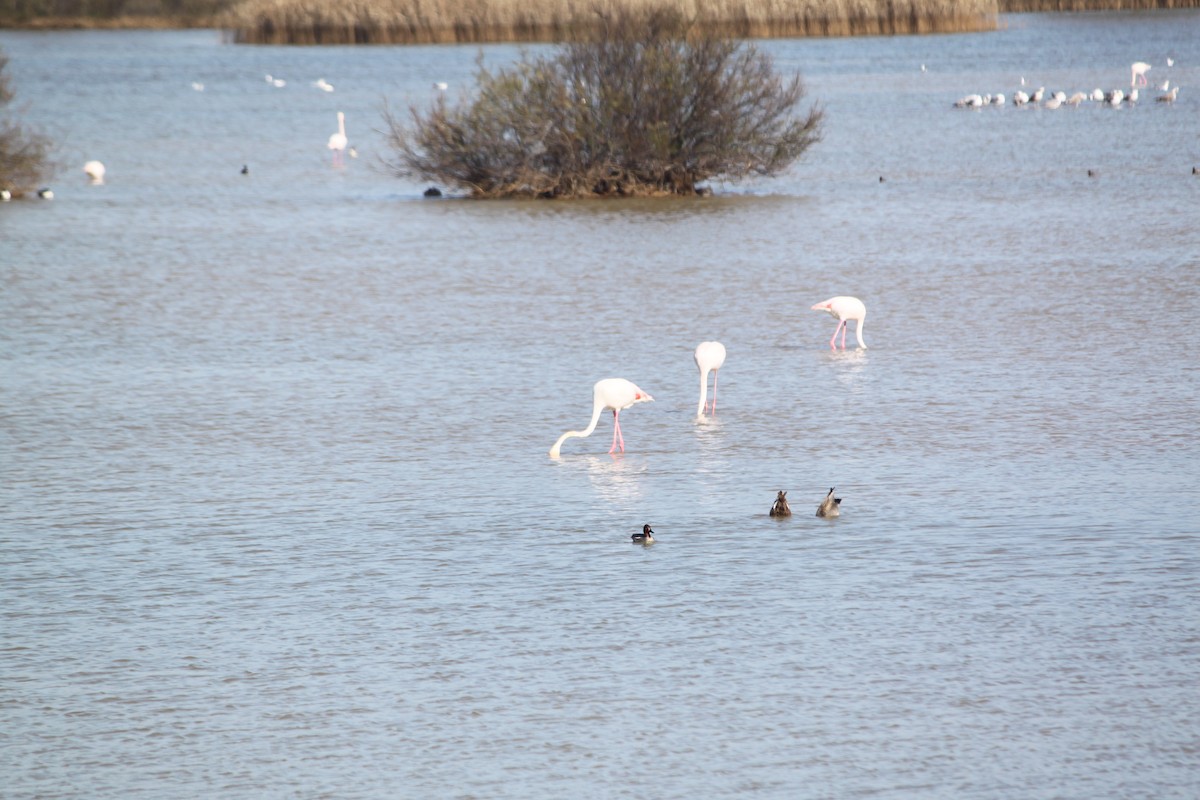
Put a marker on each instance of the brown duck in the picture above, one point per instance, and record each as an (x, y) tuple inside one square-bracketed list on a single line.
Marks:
[(780, 509)]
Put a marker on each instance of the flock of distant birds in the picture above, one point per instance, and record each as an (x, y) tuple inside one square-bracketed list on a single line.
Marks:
[(618, 394), (338, 142), (1054, 100)]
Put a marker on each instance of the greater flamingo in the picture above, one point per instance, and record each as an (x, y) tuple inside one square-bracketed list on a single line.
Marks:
[(645, 537), (95, 171), (337, 141), (710, 356), (829, 506), (1138, 72), (615, 393), (844, 309)]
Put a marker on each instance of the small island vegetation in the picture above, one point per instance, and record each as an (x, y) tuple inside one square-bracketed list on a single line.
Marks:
[(646, 103), (24, 152)]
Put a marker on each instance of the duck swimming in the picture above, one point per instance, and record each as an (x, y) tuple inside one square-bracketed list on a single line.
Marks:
[(781, 509), (645, 537), (829, 506)]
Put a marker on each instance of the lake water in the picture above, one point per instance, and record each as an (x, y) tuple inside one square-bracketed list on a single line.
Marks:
[(277, 517)]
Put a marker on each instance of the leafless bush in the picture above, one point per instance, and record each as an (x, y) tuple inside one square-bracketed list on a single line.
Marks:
[(24, 152), (646, 105)]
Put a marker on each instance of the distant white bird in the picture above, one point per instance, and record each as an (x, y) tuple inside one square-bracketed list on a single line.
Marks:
[(710, 357), (1060, 96), (998, 99), (441, 86), (279, 83), (94, 171), (1097, 95), (1169, 97), (1162, 87), (1076, 98), (323, 85), (922, 68), (970, 101), (1170, 62), (1115, 97), (5, 195), (1133, 96), (1036, 97), (353, 153), (198, 86), (45, 194), (1020, 98), (337, 141), (1138, 70), (1053, 103)]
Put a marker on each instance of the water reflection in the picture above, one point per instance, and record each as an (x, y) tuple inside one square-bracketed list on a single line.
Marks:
[(849, 367), (616, 477)]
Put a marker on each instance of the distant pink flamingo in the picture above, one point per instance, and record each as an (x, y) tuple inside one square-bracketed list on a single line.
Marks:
[(337, 141), (844, 309), (615, 393), (710, 356), (1138, 73)]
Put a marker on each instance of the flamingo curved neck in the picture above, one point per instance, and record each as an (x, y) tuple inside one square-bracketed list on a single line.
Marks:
[(858, 331), (703, 393), (598, 406)]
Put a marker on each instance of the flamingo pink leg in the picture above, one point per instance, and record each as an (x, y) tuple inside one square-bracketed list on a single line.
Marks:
[(833, 342), (845, 327), (617, 437)]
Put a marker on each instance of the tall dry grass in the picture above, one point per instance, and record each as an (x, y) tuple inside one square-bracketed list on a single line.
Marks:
[(460, 21), (1025, 6)]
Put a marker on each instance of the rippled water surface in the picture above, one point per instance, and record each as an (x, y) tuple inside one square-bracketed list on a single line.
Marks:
[(277, 517)]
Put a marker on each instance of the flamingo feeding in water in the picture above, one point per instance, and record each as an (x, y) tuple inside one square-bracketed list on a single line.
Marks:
[(710, 356), (844, 309), (615, 393), (95, 171), (1138, 72), (337, 141)]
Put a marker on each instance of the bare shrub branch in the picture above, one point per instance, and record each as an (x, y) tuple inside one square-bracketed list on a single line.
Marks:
[(24, 152)]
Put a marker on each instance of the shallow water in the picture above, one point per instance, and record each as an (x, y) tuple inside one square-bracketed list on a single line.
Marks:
[(277, 517)]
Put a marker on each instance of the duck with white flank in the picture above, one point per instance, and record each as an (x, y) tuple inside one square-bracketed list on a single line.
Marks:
[(829, 506)]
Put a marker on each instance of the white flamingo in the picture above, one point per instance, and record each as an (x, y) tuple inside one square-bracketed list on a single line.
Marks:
[(844, 309), (337, 141), (94, 171), (616, 394), (1138, 72), (710, 356)]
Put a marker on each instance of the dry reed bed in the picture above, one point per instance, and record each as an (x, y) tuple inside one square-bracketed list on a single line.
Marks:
[(1026, 6), (461, 21)]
